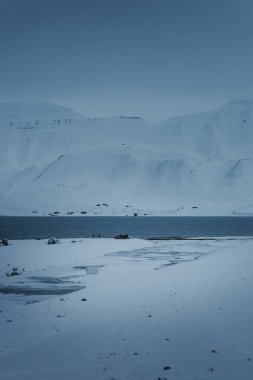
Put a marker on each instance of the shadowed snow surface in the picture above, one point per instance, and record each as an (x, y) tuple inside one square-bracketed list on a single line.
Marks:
[(144, 310)]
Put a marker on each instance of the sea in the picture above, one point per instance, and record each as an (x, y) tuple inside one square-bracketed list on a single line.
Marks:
[(147, 227)]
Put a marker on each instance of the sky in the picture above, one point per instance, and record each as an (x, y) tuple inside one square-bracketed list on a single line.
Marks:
[(151, 58)]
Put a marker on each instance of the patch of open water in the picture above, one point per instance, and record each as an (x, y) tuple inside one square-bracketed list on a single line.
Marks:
[(143, 227)]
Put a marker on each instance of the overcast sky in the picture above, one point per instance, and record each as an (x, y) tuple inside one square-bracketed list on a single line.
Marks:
[(153, 58)]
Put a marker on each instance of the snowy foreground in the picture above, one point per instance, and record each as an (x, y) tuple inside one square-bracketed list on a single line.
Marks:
[(107, 309)]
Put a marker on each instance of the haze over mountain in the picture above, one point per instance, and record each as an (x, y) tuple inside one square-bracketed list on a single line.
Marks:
[(54, 159)]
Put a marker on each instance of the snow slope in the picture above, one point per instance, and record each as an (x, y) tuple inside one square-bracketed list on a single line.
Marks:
[(54, 159)]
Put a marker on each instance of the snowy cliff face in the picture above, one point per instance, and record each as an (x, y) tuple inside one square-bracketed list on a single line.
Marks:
[(54, 159)]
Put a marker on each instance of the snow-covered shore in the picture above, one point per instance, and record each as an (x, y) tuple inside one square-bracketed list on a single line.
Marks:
[(107, 309)]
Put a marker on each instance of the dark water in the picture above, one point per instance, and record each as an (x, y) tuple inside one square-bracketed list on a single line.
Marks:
[(143, 227)]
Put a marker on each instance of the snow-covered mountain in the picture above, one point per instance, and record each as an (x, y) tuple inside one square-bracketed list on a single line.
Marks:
[(54, 159)]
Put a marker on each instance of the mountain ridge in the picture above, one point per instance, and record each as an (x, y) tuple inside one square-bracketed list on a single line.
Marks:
[(198, 164)]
